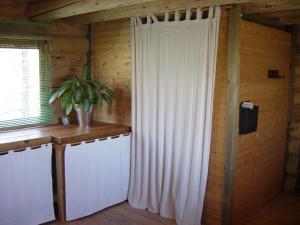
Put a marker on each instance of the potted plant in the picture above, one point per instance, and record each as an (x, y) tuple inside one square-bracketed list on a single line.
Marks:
[(82, 94)]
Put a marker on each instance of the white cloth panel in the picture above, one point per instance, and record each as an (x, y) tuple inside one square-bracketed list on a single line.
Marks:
[(96, 175), (174, 65), (26, 196)]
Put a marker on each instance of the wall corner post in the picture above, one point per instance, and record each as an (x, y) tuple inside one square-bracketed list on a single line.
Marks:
[(232, 112)]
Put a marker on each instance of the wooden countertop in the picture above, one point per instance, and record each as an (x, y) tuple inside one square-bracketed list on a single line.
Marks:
[(57, 134)]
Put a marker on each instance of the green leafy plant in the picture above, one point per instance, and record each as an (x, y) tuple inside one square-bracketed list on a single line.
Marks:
[(80, 91)]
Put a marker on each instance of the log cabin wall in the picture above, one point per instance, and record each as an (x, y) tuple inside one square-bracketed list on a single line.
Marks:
[(292, 180), (260, 155), (112, 65)]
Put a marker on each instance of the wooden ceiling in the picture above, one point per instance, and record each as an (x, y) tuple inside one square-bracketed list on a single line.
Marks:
[(24, 1), (281, 12), (275, 12)]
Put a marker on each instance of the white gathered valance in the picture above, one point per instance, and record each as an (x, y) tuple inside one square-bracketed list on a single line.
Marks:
[(174, 67), (26, 196)]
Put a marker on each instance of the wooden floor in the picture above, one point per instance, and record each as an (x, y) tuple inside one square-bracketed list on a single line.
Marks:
[(282, 210), (121, 214)]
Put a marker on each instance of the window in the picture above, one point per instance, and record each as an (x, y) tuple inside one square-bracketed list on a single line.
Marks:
[(24, 83)]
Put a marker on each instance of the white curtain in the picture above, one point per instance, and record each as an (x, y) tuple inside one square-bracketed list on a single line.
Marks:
[(174, 64), (96, 175), (26, 196)]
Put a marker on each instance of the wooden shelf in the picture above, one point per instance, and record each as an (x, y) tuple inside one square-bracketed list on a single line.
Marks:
[(57, 134)]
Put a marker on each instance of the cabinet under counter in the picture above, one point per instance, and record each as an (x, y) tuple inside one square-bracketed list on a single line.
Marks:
[(70, 139)]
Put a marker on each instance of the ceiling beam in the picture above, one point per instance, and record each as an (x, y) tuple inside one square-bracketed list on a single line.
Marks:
[(154, 7), (91, 11), (56, 9)]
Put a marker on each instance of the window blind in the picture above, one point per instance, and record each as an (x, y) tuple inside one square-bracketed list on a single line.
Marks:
[(24, 83)]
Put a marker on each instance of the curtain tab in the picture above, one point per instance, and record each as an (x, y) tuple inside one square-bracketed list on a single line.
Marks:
[(149, 19), (177, 16), (139, 21), (199, 13), (188, 14), (155, 20), (217, 11), (211, 12), (133, 21), (166, 16)]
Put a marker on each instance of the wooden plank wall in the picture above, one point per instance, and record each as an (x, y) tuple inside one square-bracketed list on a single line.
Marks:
[(68, 55), (112, 65), (260, 156), (215, 184)]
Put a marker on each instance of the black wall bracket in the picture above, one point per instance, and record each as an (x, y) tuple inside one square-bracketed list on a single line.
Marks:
[(274, 74)]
